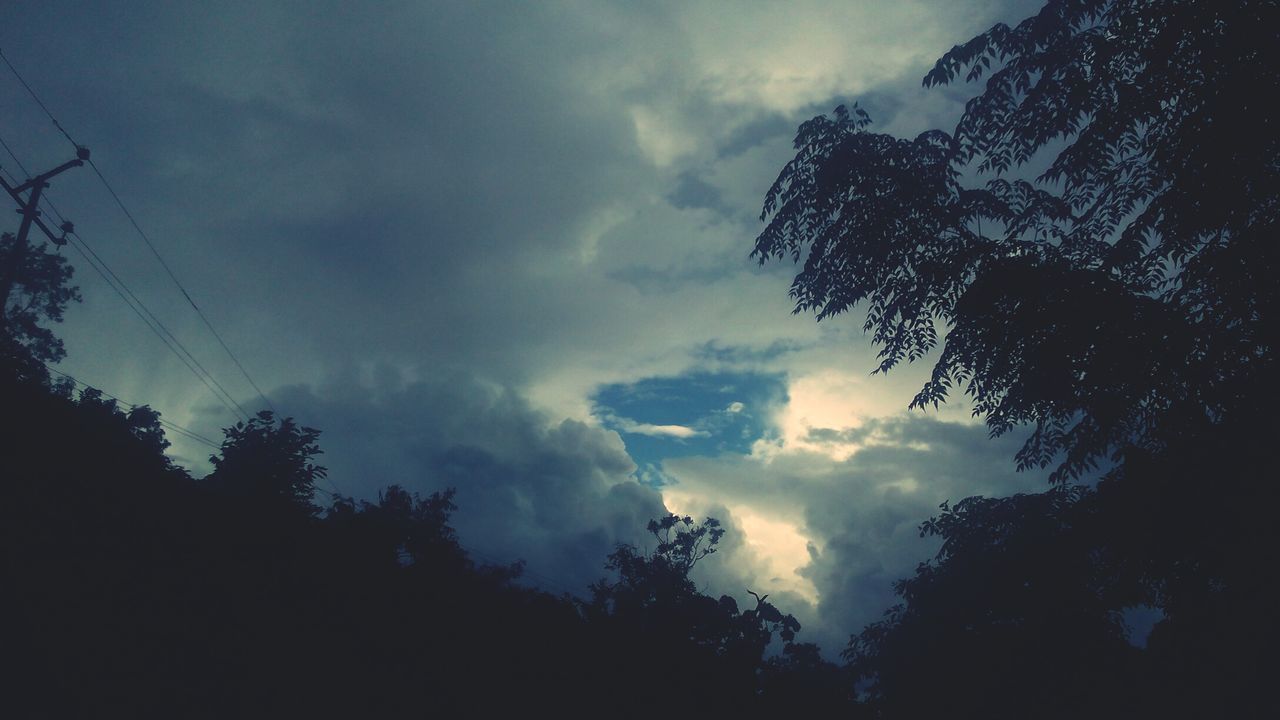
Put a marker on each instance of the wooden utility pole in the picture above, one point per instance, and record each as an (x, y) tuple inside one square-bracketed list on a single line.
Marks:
[(29, 209)]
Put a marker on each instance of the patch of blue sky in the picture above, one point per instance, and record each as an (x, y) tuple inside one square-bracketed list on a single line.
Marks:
[(707, 413)]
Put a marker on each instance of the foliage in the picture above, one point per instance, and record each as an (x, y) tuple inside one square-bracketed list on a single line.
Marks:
[(37, 290), (1016, 613), (142, 422), (661, 575), (146, 593), (705, 652), (403, 528), (1127, 286), (263, 458), (1093, 248)]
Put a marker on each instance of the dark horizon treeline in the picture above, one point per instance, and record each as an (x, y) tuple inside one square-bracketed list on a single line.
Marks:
[(1122, 306), (134, 590)]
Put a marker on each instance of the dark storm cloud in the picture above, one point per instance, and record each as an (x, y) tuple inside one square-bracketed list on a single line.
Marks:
[(386, 176), (758, 132), (508, 200), (558, 495), (444, 186), (692, 192)]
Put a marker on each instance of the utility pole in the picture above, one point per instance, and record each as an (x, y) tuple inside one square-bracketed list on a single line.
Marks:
[(29, 209)]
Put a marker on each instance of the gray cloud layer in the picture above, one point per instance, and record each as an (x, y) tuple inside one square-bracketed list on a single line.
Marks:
[(510, 189), (558, 495), (431, 229)]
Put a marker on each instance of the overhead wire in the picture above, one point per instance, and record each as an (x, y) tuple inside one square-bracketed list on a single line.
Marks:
[(185, 432), (169, 271), (159, 329), (144, 313), (179, 429), (180, 287), (9, 150), (36, 97), (156, 326), (141, 233)]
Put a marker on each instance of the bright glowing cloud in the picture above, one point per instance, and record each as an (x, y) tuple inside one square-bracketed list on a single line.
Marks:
[(825, 400), (777, 550), (674, 431)]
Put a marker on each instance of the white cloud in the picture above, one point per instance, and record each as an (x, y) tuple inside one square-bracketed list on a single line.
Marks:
[(675, 431), (776, 551), (842, 530)]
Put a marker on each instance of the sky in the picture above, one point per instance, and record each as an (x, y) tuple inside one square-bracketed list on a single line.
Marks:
[(504, 247)]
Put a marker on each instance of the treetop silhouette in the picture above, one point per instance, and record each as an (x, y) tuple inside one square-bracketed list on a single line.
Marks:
[(270, 458), (1127, 287), (37, 290)]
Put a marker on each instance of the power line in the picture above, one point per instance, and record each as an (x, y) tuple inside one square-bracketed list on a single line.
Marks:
[(9, 150), (149, 318), (181, 288), (44, 197), (191, 434), (141, 310), (183, 431), (156, 326), (35, 97), (141, 233), (186, 432), (161, 326)]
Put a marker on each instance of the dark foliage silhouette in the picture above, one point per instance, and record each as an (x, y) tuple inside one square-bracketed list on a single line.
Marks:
[(1127, 285), (1015, 616), (142, 592), (135, 590), (34, 291), (704, 651), (1111, 285), (260, 457)]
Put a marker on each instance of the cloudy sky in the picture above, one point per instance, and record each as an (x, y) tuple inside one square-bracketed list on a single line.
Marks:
[(504, 247)]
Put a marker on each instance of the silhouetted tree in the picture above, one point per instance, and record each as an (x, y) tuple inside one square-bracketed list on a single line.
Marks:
[(140, 592), (267, 459), (402, 529), (660, 576), (36, 287), (1128, 286), (703, 651), (1111, 284), (1014, 618)]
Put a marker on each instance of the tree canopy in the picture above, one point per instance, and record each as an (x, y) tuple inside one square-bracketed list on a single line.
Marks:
[(270, 458), (37, 290), (1092, 248), (1110, 283), (1114, 274), (147, 593)]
